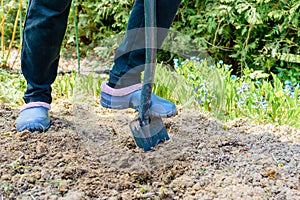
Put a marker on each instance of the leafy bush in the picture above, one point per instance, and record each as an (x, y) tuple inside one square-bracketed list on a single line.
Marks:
[(259, 34), (98, 20)]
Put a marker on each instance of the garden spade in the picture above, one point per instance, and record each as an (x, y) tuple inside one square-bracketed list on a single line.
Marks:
[(148, 131)]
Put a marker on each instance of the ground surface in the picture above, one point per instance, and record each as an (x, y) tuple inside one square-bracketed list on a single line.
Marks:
[(89, 153)]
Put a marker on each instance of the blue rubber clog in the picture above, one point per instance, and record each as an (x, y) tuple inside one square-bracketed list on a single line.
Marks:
[(33, 119), (159, 107)]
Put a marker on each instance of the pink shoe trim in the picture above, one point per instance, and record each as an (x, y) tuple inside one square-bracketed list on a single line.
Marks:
[(122, 91), (35, 104)]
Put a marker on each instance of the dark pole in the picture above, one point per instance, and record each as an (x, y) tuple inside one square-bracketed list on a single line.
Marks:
[(150, 45)]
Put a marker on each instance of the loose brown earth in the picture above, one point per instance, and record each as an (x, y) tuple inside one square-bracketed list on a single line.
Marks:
[(89, 153)]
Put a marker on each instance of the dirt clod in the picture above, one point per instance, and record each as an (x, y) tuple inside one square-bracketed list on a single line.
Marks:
[(272, 173), (41, 148), (63, 187), (6, 177)]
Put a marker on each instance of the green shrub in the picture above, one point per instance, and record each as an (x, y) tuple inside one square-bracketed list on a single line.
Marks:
[(258, 34), (97, 20)]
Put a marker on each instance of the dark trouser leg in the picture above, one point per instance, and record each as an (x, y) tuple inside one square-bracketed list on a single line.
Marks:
[(44, 30), (130, 56)]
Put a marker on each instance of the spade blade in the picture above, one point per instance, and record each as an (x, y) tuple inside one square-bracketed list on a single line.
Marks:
[(150, 135)]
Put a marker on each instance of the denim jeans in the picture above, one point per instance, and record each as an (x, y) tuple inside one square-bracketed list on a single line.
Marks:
[(43, 33)]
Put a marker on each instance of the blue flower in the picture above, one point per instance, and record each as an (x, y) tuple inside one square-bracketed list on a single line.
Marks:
[(200, 102), (265, 105), (258, 82), (245, 86), (175, 60), (234, 77), (289, 83), (194, 58), (240, 91), (221, 62), (191, 76), (240, 102), (196, 89), (262, 103)]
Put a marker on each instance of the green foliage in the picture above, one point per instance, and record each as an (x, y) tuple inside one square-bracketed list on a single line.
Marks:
[(258, 34), (210, 87), (64, 85), (88, 85), (172, 86), (73, 85), (289, 71), (247, 33), (251, 95), (11, 15), (97, 20), (12, 87), (257, 37)]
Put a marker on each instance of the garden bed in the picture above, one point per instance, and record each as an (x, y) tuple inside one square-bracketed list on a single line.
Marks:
[(89, 153)]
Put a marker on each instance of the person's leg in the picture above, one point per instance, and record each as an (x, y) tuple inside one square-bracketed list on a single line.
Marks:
[(130, 55), (123, 89), (43, 33)]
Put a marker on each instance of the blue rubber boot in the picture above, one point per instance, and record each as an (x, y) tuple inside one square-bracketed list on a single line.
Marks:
[(117, 99), (33, 119)]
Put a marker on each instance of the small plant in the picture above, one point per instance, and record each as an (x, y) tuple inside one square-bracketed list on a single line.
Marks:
[(88, 85), (64, 85), (170, 85), (143, 190), (251, 95), (12, 87)]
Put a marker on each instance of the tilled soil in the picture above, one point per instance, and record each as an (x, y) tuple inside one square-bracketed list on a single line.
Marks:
[(89, 153)]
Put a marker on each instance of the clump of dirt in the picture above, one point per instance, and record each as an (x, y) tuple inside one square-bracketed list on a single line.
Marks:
[(89, 153)]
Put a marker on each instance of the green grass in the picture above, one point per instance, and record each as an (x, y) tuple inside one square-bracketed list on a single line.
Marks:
[(172, 86), (193, 83), (252, 95), (12, 87)]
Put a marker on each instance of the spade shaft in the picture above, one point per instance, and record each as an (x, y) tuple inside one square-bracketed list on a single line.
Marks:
[(148, 131), (150, 44)]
